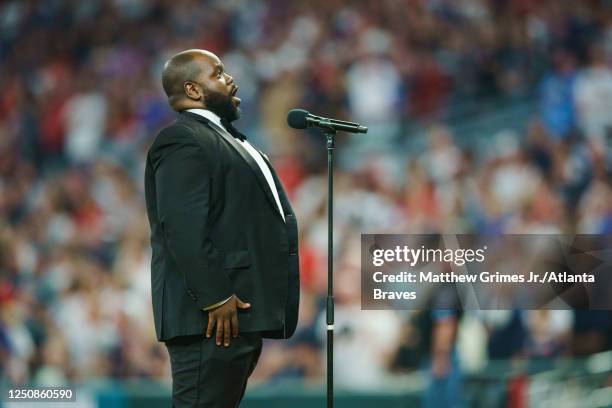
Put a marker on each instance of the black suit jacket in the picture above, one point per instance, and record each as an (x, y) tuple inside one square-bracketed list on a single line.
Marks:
[(216, 230)]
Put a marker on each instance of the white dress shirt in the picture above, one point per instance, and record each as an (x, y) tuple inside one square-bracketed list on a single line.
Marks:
[(214, 118)]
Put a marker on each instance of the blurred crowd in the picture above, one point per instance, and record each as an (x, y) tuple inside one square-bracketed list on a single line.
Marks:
[(81, 102)]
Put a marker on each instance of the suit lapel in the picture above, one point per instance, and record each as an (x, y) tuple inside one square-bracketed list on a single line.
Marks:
[(290, 220), (261, 179), (279, 187)]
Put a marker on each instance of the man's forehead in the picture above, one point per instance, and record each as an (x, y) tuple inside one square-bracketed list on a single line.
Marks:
[(207, 57)]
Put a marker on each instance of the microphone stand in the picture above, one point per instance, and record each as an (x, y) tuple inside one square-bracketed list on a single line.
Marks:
[(330, 127), (330, 133)]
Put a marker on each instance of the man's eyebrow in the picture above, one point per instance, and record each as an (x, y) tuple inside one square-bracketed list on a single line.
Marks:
[(216, 68)]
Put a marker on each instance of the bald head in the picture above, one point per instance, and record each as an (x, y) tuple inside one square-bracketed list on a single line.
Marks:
[(188, 65), (197, 79)]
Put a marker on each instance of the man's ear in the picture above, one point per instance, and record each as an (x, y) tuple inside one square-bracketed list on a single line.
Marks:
[(192, 91)]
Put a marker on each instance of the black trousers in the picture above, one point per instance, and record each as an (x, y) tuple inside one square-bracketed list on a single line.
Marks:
[(205, 375)]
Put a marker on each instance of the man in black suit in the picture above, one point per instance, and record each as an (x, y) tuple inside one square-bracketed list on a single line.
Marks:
[(222, 233)]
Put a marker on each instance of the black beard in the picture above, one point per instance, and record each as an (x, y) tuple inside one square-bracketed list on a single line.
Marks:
[(221, 105)]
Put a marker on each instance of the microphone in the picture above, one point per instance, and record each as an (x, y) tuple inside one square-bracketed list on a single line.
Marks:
[(301, 119)]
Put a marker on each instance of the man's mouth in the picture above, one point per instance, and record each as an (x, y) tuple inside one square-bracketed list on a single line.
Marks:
[(235, 99)]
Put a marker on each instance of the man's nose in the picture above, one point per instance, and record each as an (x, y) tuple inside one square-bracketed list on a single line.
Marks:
[(230, 79)]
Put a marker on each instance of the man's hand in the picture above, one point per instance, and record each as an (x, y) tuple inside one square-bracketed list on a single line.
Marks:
[(225, 317)]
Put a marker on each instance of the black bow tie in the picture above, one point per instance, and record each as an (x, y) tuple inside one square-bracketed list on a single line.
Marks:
[(232, 130)]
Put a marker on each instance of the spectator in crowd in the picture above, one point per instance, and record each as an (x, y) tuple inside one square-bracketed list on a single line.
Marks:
[(594, 98), (557, 96)]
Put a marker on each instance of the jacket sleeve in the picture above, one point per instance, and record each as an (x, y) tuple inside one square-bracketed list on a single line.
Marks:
[(182, 181)]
